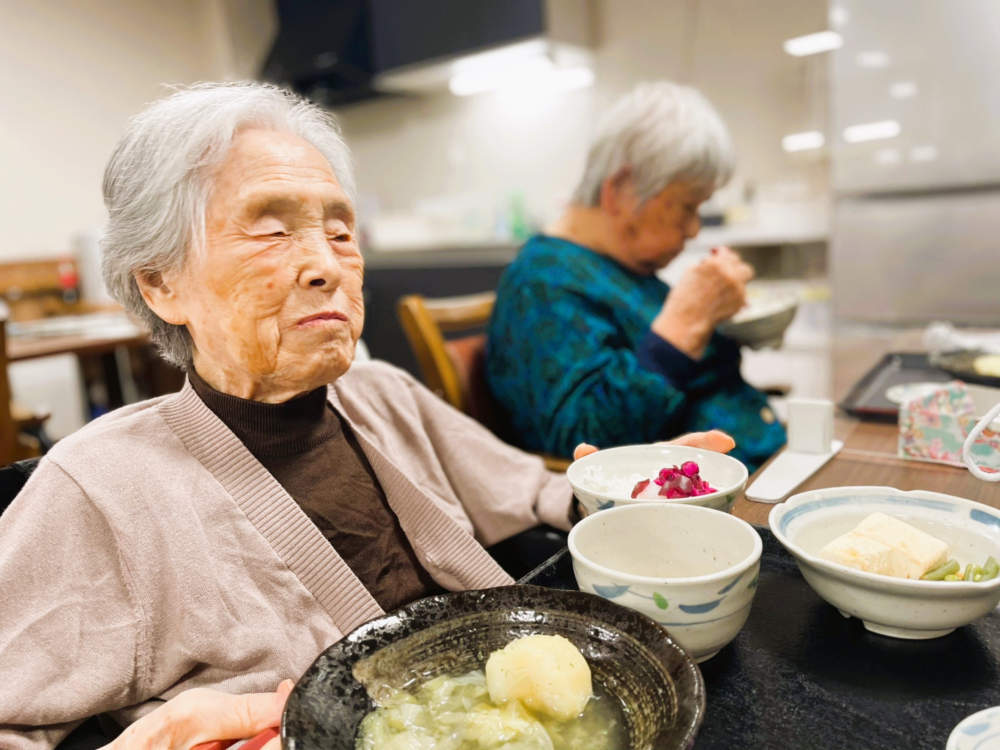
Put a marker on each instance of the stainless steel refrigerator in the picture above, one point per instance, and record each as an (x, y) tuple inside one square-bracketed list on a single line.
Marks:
[(916, 229)]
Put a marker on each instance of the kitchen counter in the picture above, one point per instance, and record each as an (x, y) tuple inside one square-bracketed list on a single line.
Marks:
[(472, 255)]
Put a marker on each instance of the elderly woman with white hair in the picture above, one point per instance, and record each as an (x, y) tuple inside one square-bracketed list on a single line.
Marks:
[(586, 341), (222, 537)]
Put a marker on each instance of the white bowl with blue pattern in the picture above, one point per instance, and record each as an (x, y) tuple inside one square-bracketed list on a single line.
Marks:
[(894, 607), (727, 475), (690, 569), (981, 731)]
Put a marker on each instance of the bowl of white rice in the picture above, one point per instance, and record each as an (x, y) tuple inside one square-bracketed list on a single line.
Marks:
[(764, 320), (606, 479)]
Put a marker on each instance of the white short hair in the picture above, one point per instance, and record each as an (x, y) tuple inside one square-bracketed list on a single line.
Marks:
[(661, 132), (158, 182)]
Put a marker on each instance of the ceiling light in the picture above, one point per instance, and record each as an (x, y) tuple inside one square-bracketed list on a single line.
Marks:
[(538, 74), (803, 141), (903, 90), (510, 54), (888, 156), (839, 16), (480, 79), (872, 131), (569, 79), (872, 59), (811, 44), (923, 153)]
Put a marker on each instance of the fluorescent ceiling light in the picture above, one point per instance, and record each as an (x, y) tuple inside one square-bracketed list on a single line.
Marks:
[(509, 54), (903, 90), (872, 59), (537, 74), (483, 78), (872, 131), (803, 141), (569, 79), (839, 16), (811, 44), (923, 153), (888, 156)]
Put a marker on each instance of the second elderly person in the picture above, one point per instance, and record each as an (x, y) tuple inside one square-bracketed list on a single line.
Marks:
[(586, 343)]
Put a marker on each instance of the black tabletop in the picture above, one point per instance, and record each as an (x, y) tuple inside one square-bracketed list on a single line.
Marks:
[(799, 676)]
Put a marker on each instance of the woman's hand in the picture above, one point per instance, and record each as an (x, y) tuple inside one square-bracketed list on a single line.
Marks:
[(203, 715), (707, 294), (714, 440)]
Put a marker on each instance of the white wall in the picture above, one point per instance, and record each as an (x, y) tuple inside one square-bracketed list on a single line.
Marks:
[(72, 72), (409, 149)]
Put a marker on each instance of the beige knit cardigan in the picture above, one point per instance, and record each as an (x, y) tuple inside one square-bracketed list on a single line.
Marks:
[(151, 552)]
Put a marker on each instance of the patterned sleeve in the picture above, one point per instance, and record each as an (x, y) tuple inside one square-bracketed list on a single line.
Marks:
[(577, 379)]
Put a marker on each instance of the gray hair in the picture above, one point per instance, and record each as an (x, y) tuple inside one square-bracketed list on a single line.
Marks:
[(662, 133), (158, 183)]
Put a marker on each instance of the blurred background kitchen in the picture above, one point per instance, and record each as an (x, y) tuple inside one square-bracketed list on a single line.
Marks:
[(868, 181)]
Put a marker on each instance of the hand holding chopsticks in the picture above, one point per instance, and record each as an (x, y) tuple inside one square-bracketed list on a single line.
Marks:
[(203, 718)]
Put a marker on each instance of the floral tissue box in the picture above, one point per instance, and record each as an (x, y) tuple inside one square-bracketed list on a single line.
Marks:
[(934, 428)]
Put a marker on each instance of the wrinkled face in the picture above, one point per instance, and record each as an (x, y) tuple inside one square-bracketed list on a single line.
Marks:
[(652, 234), (273, 302)]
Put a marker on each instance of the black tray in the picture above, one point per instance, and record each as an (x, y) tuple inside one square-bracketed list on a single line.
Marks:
[(867, 399), (801, 677)]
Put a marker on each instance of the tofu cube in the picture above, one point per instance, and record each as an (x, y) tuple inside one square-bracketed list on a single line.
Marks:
[(925, 551), (861, 553)]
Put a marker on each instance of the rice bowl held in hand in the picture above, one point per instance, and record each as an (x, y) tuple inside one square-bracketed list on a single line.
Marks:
[(657, 474)]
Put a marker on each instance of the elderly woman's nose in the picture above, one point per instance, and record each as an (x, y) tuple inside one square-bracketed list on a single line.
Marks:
[(321, 267), (693, 227)]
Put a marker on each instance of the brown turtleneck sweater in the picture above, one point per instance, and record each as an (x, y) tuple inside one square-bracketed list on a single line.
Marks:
[(313, 454)]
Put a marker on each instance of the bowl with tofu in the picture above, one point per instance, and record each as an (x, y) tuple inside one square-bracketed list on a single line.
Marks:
[(910, 565), (638, 474)]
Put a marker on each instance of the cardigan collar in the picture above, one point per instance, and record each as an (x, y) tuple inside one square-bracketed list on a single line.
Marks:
[(449, 553)]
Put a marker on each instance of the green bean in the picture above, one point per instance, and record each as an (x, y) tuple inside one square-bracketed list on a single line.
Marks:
[(967, 576), (939, 573), (952, 578), (977, 577), (990, 571)]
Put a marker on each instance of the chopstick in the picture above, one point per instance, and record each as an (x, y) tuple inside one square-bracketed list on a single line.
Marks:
[(255, 743)]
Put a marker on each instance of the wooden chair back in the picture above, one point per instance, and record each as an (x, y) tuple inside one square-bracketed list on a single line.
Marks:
[(455, 368), (9, 451)]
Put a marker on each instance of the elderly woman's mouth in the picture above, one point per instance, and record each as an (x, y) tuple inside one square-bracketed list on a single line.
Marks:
[(323, 318)]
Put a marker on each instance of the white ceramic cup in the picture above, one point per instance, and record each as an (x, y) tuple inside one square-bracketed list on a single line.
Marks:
[(691, 569)]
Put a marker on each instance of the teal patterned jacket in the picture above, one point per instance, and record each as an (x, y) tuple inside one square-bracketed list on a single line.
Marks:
[(571, 359)]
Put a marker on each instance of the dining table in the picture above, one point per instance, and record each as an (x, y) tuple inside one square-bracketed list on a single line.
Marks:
[(799, 675), (24, 348), (870, 458)]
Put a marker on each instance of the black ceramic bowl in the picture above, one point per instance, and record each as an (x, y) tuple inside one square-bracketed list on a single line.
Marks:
[(633, 657)]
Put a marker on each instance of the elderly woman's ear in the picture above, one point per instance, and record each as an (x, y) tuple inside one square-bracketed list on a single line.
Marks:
[(161, 296), (618, 194)]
